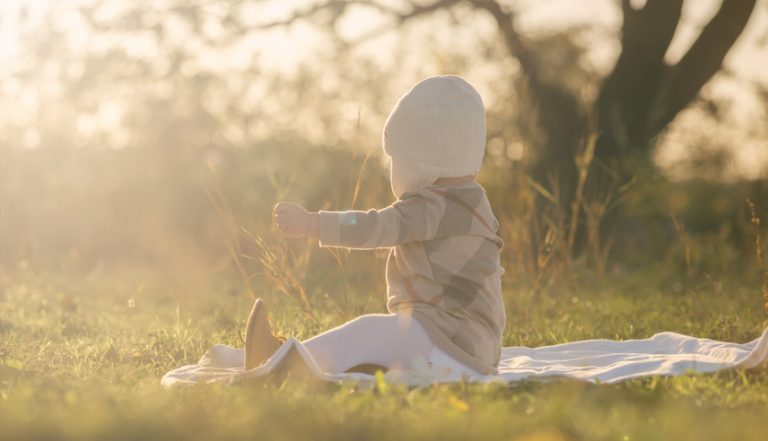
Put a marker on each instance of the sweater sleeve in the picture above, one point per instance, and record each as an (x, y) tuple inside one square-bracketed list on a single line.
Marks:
[(409, 220)]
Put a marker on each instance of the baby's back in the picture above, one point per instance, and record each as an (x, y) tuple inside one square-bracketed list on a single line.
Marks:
[(452, 281)]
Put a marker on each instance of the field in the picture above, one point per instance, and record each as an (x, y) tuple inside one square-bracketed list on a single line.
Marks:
[(82, 355), (146, 144)]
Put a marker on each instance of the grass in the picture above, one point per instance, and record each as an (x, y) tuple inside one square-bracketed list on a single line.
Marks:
[(82, 353), (81, 356)]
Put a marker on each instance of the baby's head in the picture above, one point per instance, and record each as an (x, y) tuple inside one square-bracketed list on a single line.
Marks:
[(436, 130)]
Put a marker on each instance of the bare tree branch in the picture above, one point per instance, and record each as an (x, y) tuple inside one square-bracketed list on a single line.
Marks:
[(401, 17), (339, 6), (425, 9), (303, 14), (560, 114), (514, 42)]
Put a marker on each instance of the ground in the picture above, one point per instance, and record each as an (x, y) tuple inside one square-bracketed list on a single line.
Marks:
[(82, 353)]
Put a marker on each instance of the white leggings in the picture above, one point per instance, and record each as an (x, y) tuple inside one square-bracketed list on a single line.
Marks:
[(389, 340)]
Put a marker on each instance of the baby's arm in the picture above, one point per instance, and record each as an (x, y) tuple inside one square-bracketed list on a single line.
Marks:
[(404, 221)]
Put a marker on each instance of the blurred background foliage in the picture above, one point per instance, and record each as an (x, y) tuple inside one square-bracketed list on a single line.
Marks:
[(125, 125)]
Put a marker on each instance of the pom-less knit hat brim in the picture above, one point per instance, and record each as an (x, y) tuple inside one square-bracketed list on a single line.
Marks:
[(407, 175)]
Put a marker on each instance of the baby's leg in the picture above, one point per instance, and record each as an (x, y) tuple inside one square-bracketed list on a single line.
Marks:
[(389, 340)]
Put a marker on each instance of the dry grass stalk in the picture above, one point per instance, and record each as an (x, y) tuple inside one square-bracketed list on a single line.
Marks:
[(759, 259), (283, 270), (685, 240), (583, 162), (277, 265), (559, 227), (599, 249), (225, 213)]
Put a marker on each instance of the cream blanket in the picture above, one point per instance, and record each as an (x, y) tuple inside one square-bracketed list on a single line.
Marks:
[(604, 361)]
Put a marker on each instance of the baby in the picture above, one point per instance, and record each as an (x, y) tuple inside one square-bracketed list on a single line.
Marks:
[(443, 273)]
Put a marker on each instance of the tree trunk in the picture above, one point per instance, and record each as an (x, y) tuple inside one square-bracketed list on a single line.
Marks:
[(643, 93), (640, 97)]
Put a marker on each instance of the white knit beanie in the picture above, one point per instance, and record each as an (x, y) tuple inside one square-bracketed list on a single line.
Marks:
[(436, 130)]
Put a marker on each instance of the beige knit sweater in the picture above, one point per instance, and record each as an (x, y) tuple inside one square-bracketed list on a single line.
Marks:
[(443, 266)]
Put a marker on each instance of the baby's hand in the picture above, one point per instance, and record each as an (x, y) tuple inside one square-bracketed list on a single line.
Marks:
[(292, 219)]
